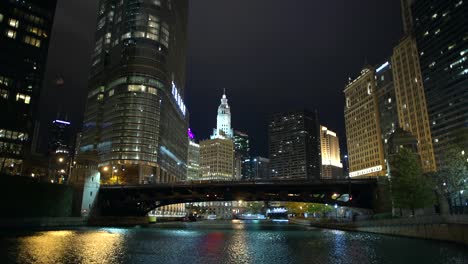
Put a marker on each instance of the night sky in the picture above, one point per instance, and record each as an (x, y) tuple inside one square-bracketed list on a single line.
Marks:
[(270, 55)]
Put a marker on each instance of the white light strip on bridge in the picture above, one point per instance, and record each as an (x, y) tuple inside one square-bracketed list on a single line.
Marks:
[(365, 171)]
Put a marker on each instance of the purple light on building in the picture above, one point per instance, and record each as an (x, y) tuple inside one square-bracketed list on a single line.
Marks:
[(190, 134), (61, 122)]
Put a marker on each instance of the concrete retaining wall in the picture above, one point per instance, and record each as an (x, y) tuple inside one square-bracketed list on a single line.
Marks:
[(42, 222), (446, 228)]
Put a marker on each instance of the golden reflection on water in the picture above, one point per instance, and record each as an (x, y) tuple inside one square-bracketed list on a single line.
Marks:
[(238, 247), (70, 247)]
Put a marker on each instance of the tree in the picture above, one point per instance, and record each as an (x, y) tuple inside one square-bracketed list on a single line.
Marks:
[(451, 173), (410, 188)]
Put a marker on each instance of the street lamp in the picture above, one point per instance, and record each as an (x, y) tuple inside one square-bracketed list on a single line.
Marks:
[(60, 160)]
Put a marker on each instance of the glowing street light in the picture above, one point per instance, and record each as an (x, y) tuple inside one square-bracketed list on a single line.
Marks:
[(60, 160)]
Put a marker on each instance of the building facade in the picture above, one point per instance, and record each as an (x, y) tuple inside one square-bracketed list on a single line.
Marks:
[(411, 99), (135, 118), (363, 132), (294, 145), (440, 29), (217, 159), (332, 168), (193, 169), (260, 168), (242, 147), (25, 29), (386, 100), (223, 120)]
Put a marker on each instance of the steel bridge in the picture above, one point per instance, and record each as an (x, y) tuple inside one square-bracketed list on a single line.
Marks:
[(138, 200)]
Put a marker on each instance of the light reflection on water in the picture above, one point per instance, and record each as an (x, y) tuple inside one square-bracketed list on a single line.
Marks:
[(221, 242)]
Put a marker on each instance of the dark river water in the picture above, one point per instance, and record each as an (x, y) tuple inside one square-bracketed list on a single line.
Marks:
[(220, 242)]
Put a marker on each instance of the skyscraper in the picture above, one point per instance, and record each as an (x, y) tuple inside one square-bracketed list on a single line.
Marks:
[(441, 32), (411, 99), (260, 168), (25, 29), (330, 150), (223, 120), (135, 117), (294, 145), (242, 148), (217, 159), (363, 131), (396, 101), (407, 15), (193, 159), (386, 101)]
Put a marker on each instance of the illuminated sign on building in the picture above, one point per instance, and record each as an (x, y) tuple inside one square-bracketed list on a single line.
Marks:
[(190, 134), (61, 122), (178, 99), (365, 171), (383, 66)]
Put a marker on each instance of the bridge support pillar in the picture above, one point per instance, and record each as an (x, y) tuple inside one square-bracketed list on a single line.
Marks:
[(382, 200), (85, 179)]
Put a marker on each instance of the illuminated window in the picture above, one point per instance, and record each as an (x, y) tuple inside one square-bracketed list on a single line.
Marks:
[(23, 98), (11, 34), (1, 17), (136, 88), (4, 94), (32, 41), (37, 31), (5, 81), (13, 23)]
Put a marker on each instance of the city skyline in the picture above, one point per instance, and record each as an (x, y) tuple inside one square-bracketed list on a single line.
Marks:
[(254, 87)]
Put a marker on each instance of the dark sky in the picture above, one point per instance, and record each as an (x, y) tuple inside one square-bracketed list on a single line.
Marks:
[(270, 55)]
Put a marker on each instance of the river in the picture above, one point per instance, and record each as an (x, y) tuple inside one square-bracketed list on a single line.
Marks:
[(220, 242)]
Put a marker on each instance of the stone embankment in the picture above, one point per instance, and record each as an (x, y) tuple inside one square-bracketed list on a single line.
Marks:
[(42, 222), (445, 228)]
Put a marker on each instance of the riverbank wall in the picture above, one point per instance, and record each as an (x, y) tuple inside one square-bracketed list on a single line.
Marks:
[(42, 222), (444, 228), (25, 197)]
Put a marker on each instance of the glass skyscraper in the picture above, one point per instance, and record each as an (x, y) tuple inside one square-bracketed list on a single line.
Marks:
[(135, 118), (25, 28), (441, 31)]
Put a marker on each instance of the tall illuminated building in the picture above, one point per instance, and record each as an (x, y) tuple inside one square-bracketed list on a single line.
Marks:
[(363, 132), (217, 155), (411, 99), (135, 118), (394, 100), (25, 29), (441, 33), (223, 120), (193, 159), (331, 159), (217, 159), (294, 145)]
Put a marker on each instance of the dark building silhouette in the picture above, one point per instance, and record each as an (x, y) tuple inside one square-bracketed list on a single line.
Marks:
[(242, 148), (260, 168), (441, 29), (294, 145), (135, 118), (25, 29)]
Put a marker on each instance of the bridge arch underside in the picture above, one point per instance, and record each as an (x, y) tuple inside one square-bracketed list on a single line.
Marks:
[(139, 200)]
